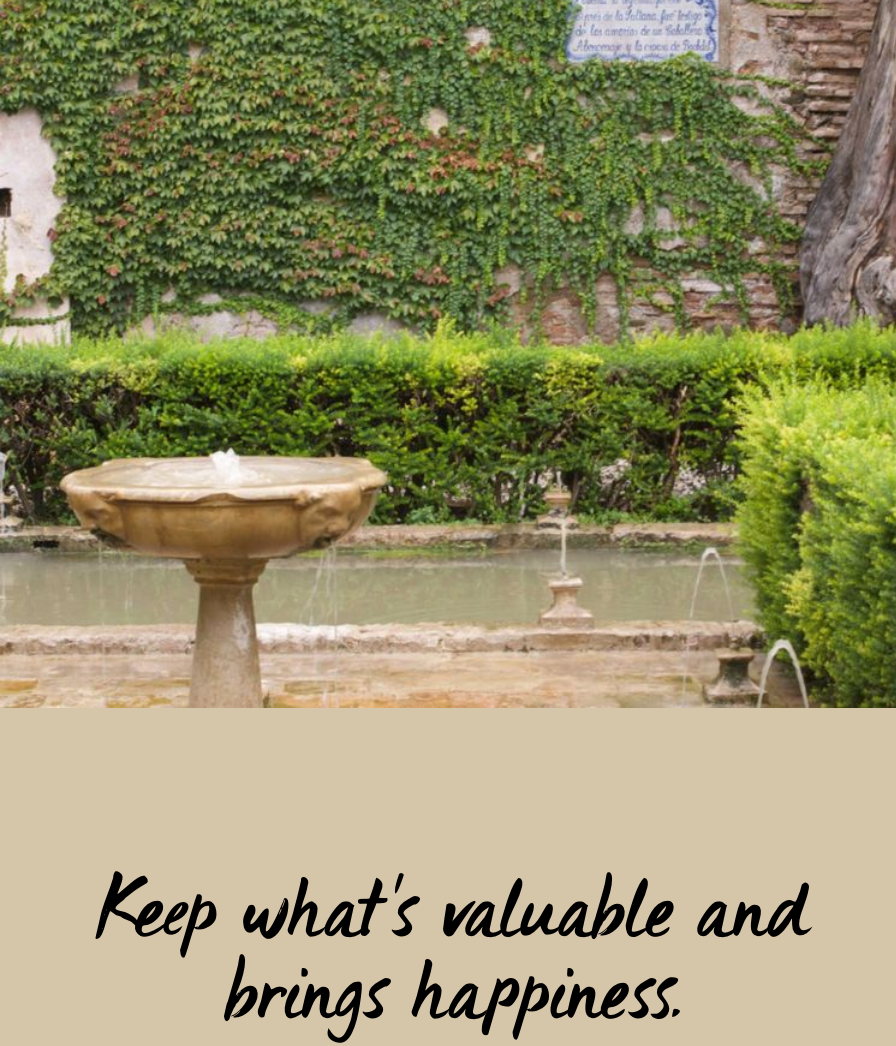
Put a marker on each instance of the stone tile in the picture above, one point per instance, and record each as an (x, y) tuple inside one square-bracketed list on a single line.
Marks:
[(633, 678)]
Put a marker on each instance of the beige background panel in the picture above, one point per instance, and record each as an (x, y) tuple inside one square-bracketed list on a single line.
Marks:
[(238, 806)]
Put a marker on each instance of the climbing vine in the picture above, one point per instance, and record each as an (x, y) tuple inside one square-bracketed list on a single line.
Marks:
[(289, 151)]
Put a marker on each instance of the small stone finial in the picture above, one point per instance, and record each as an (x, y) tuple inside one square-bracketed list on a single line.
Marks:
[(558, 500)]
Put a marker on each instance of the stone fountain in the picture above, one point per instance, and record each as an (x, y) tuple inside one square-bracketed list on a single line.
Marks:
[(225, 517), (565, 611)]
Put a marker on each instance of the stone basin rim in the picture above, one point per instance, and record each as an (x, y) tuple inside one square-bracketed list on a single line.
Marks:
[(345, 474)]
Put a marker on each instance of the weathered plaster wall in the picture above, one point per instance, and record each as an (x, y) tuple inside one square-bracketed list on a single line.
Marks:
[(27, 165)]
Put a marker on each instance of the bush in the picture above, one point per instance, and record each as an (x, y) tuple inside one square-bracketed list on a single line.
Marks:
[(818, 530), (465, 425)]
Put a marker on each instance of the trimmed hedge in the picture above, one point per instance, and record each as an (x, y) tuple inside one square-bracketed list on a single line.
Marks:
[(466, 426), (818, 530)]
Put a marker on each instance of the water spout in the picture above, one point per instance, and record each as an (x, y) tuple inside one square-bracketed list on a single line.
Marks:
[(322, 607), (2, 497), (334, 623), (564, 572), (227, 467), (782, 646), (711, 554)]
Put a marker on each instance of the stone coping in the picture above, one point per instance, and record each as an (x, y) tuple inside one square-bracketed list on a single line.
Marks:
[(460, 537), (646, 636)]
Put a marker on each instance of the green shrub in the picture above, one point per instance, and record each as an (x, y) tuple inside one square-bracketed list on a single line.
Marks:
[(818, 530), (477, 421)]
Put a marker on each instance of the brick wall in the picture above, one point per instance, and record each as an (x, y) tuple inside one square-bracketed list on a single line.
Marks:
[(818, 46)]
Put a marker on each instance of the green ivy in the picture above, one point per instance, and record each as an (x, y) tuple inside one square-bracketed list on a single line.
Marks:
[(277, 150)]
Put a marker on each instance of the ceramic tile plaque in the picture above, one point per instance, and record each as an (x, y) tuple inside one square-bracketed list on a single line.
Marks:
[(646, 30)]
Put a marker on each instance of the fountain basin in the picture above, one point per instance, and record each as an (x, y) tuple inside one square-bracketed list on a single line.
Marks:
[(225, 517), (181, 508), (400, 586)]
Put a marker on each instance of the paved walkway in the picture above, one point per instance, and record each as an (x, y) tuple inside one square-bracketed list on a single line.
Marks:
[(349, 679)]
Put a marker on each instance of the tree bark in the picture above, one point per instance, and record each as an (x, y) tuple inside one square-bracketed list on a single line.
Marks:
[(848, 257)]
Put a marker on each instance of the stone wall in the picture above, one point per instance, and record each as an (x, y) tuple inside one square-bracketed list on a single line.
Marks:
[(818, 47), (27, 174)]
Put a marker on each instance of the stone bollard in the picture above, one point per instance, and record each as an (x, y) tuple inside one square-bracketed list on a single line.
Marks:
[(566, 612), (733, 687)]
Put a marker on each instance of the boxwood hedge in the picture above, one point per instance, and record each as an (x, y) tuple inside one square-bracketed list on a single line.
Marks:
[(466, 426), (818, 530)]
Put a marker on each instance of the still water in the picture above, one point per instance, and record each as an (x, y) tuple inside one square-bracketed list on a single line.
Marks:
[(511, 587)]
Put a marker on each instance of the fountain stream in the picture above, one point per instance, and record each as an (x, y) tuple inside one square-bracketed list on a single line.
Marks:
[(711, 554), (782, 647), (227, 466), (2, 495), (564, 526)]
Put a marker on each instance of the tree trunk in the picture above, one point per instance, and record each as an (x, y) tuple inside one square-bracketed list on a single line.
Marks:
[(848, 257)]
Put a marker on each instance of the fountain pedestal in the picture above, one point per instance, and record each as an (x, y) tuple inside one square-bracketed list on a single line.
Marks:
[(226, 669), (566, 612), (733, 686)]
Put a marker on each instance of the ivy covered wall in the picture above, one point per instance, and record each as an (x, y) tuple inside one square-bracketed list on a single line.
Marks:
[(318, 160)]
